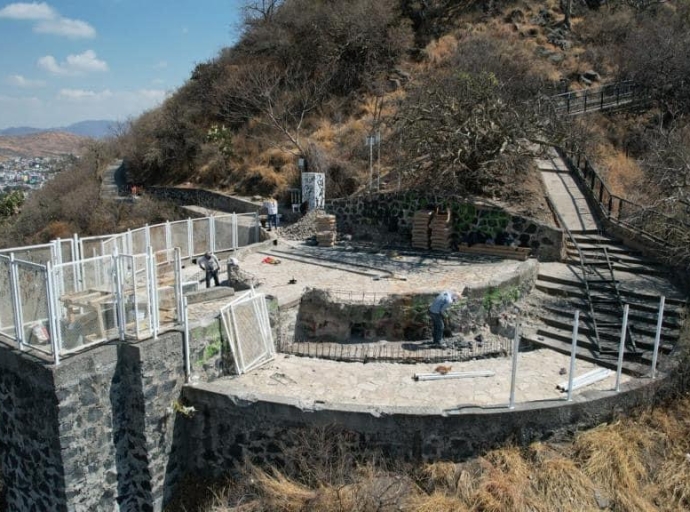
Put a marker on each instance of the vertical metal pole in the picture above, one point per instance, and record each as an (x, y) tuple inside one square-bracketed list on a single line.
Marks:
[(147, 235), (378, 174), (190, 237), (621, 348), (168, 236), (16, 303), (178, 284), (257, 231), (130, 243), (234, 231), (55, 341), (513, 374), (119, 296), (187, 355), (212, 233), (657, 337), (573, 353)]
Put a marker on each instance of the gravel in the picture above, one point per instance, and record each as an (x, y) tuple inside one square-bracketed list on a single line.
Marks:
[(302, 229)]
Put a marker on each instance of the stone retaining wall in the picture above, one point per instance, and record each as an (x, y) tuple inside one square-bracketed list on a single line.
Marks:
[(325, 317), (204, 198), (390, 216), (94, 431), (226, 428)]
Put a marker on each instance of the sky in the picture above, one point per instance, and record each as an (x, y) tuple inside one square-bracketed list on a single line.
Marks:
[(73, 60)]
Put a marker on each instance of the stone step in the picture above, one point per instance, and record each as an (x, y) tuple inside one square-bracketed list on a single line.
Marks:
[(615, 257), (572, 287), (621, 267), (611, 248), (643, 319), (543, 339), (596, 238), (644, 338)]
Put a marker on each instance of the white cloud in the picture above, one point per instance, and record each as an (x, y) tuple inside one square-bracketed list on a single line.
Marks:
[(48, 20), (84, 95), (20, 81), (157, 81), (161, 64), (74, 29), (28, 11), (79, 64)]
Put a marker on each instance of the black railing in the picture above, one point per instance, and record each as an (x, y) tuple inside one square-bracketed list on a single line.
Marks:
[(658, 226), (606, 97)]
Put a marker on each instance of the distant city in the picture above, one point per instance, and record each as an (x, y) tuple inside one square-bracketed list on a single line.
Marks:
[(29, 174)]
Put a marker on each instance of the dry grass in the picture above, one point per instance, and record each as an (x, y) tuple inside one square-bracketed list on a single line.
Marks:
[(636, 464), (440, 50)]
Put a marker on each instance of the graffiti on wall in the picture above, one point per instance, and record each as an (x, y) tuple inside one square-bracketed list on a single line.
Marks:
[(314, 189)]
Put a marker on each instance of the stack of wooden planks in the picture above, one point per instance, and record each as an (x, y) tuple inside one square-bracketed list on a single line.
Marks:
[(325, 230), (441, 231), (420, 229)]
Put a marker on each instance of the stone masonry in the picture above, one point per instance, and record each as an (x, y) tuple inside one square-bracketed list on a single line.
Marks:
[(393, 213)]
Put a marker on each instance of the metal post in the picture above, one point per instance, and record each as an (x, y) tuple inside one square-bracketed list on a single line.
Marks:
[(234, 231), (147, 236), (130, 243), (168, 236), (16, 303), (621, 348), (55, 334), (657, 337), (178, 283), (212, 233), (190, 237), (378, 175), (119, 296), (573, 353), (513, 374), (187, 356), (257, 230)]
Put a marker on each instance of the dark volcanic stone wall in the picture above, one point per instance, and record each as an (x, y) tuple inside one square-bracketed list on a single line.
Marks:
[(30, 457), (390, 215), (98, 430)]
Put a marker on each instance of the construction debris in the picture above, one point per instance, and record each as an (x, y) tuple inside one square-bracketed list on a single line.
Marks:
[(421, 232), (453, 375), (586, 379), (325, 230)]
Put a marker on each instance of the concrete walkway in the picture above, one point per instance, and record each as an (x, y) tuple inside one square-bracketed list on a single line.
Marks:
[(565, 194)]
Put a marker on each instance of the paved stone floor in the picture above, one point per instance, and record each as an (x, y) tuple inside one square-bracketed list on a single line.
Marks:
[(310, 381), (375, 385)]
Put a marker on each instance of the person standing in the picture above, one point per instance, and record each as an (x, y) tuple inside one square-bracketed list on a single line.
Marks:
[(210, 264), (271, 206), (440, 304)]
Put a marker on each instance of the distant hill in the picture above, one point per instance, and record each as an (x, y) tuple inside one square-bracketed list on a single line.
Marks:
[(44, 143), (95, 129)]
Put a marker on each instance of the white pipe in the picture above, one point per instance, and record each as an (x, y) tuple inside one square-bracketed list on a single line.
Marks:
[(573, 353), (513, 374), (657, 337), (585, 379), (454, 375), (621, 347)]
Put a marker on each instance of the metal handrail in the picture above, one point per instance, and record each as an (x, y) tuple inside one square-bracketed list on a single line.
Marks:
[(563, 225)]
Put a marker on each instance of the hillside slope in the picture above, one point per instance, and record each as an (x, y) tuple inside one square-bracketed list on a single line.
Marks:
[(44, 144)]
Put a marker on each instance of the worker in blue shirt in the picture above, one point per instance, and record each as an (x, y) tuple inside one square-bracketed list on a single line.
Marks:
[(441, 303)]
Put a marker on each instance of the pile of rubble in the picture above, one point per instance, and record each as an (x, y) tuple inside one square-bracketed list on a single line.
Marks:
[(303, 229)]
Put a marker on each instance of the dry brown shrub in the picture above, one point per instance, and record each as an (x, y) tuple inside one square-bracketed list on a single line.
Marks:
[(280, 492), (557, 481), (440, 50), (504, 485), (623, 175), (262, 180), (612, 455), (438, 502)]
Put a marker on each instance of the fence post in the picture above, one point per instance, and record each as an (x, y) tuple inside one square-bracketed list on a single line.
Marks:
[(147, 236), (257, 231), (190, 237), (119, 296), (16, 303), (178, 284), (234, 231), (130, 243), (621, 347), (513, 374), (168, 236), (212, 233), (55, 334), (657, 337), (187, 355), (610, 204), (573, 354)]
